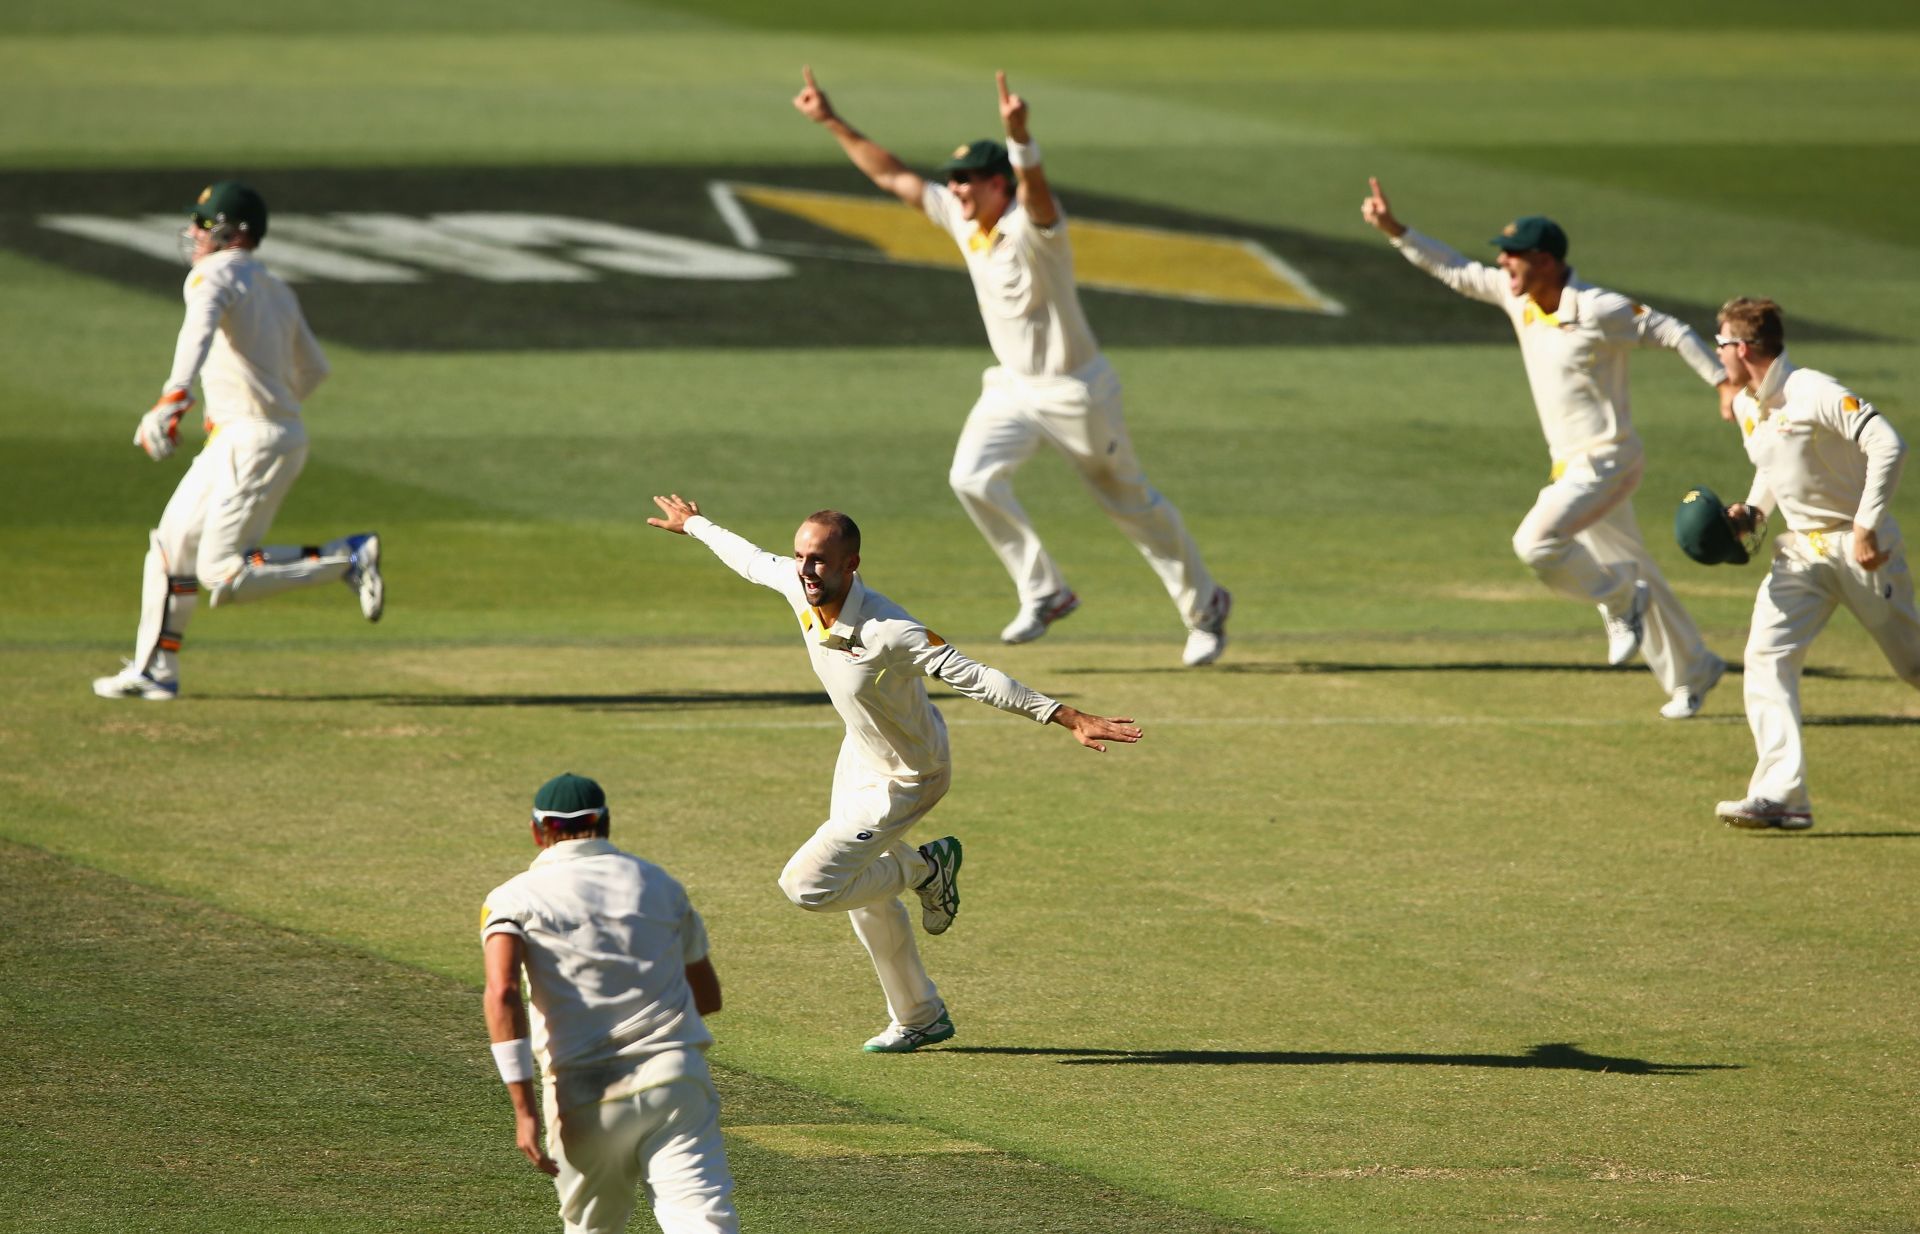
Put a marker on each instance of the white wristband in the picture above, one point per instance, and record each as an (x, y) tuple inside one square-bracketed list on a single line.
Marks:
[(1023, 154), (515, 1060)]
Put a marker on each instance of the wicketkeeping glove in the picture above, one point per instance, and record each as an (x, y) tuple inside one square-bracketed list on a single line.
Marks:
[(159, 430)]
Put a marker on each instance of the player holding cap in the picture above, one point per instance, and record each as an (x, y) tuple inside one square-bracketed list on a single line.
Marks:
[(871, 655), (247, 342), (616, 960), (1581, 538), (1051, 384), (1829, 463)]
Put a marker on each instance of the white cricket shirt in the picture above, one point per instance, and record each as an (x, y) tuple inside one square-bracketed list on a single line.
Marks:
[(608, 938), (246, 340), (1576, 356), (873, 660), (1820, 452), (1023, 279)]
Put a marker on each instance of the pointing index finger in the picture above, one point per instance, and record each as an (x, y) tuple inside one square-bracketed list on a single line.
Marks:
[(1000, 79), (806, 74), (1373, 182)]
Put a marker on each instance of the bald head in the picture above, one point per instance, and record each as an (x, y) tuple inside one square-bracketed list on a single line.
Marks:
[(826, 552), (844, 530)]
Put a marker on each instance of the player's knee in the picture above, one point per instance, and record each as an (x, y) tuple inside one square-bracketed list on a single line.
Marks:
[(807, 890), (1539, 552), (971, 485)]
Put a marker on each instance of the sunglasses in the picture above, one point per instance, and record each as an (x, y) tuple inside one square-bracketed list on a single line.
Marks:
[(544, 817), (1721, 340)]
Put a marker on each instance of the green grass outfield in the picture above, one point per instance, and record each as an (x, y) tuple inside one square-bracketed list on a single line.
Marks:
[(1407, 917)]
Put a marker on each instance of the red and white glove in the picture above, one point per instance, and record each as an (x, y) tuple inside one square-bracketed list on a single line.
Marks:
[(159, 430)]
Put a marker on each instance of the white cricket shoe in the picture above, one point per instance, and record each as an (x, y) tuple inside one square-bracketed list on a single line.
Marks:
[(1686, 701), (1759, 813), (131, 682), (1036, 615), (940, 892), (1624, 632), (1207, 640), (905, 1039), (363, 574)]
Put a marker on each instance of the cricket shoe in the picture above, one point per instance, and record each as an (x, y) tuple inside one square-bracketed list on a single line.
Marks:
[(1686, 702), (363, 574), (1207, 640), (1624, 632), (904, 1039), (131, 682), (940, 891), (1036, 615), (1761, 813)]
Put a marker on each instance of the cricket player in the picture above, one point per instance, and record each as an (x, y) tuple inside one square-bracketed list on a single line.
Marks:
[(616, 961), (1828, 463), (1581, 538), (871, 656), (247, 343), (1051, 384)]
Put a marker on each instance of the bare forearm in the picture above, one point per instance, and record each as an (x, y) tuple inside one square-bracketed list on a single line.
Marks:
[(506, 1015), (875, 161)]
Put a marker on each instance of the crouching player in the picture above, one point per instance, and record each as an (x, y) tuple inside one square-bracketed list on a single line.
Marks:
[(616, 961)]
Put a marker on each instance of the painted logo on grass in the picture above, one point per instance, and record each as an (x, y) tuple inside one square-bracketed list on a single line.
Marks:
[(619, 257)]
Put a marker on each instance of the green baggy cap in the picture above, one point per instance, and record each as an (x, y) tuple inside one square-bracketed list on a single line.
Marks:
[(983, 155), (1705, 532), (569, 794), (1533, 231), (229, 201)]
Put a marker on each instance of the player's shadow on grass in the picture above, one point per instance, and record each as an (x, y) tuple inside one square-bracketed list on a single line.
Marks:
[(1314, 668), (1551, 1056), (676, 700)]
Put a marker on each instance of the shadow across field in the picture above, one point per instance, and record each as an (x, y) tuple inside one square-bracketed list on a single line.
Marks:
[(1309, 668), (660, 701), (1552, 1056)]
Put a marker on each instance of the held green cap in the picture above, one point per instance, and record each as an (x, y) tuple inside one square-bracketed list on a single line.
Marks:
[(233, 203), (568, 796), (983, 155), (1705, 532), (1533, 231)]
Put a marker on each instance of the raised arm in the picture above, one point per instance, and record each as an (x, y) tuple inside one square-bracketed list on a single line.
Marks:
[(1649, 327), (875, 160), (742, 556), (1473, 279), (1036, 196)]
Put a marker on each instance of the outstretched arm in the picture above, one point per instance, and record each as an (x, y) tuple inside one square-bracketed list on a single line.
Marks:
[(993, 687), (1091, 731), (1649, 327), (1473, 279), (741, 555), (1036, 196), (877, 162)]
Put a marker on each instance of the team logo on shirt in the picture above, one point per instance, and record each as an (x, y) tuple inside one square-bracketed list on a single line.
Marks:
[(1849, 404)]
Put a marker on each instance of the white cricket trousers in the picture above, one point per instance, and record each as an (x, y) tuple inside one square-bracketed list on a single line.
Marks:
[(1812, 576), (666, 1139), (209, 536), (857, 864), (1582, 540), (1080, 417)]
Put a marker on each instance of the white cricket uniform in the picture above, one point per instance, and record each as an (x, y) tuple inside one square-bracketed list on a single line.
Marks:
[(629, 1099), (1581, 538), (1051, 384), (1825, 460), (893, 765), (248, 344)]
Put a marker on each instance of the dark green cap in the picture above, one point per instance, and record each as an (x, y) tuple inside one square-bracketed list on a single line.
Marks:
[(1705, 532), (983, 155), (231, 202), (568, 794), (1534, 231)]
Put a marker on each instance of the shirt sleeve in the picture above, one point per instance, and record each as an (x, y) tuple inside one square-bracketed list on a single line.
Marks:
[(502, 914), (310, 366), (207, 299), (1641, 326), (1886, 452), (744, 557), (932, 656), (943, 208), (1473, 279), (693, 937)]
